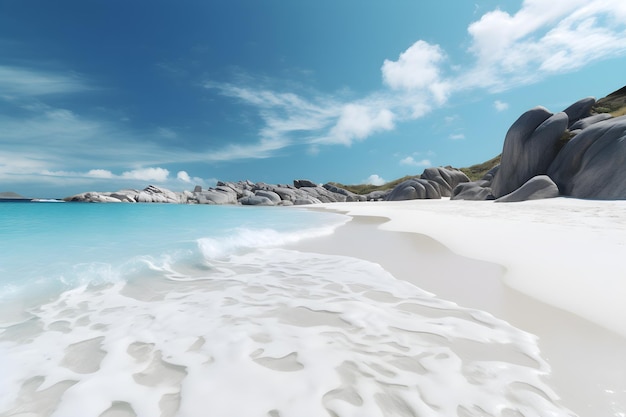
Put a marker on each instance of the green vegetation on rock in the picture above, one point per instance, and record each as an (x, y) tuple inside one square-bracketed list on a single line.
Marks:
[(614, 103), (363, 189), (476, 172)]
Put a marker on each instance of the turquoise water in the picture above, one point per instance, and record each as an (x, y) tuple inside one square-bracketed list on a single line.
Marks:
[(54, 246), (148, 310)]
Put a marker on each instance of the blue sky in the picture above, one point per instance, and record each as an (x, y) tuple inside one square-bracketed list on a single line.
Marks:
[(103, 95)]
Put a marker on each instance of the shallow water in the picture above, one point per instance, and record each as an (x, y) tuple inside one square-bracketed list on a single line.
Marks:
[(195, 311)]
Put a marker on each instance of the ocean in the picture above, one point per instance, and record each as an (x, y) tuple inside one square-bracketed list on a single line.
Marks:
[(114, 310)]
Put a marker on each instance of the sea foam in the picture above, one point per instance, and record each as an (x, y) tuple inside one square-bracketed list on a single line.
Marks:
[(268, 332)]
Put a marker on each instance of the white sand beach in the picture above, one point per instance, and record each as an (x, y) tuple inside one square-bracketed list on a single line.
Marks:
[(554, 268)]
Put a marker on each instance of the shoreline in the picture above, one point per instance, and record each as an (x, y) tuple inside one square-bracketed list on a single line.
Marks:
[(419, 241)]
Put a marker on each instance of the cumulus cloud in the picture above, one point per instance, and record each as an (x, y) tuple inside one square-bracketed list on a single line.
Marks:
[(147, 174), (183, 176), (99, 173), (543, 38), (143, 174), (416, 68), (457, 136), (418, 71), (358, 122), (500, 105), (374, 179), (410, 161)]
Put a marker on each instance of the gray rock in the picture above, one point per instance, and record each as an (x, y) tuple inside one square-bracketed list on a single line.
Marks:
[(447, 178), (475, 190), (530, 146), (536, 188), (588, 121), (579, 110), (270, 195), (414, 189), (592, 164), (256, 201), (285, 193), (379, 195), (300, 201), (123, 197), (349, 196), (322, 194), (215, 196), (303, 183)]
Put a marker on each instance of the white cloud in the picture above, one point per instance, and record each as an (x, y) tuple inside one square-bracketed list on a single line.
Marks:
[(183, 176), (410, 161), (418, 72), (457, 136), (416, 68), (99, 173), (142, 174), (500, 105), (543, 38), (147, 174), (358, 122), (374, 179), (29, 82)]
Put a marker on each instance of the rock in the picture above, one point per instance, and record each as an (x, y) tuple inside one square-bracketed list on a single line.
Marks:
[(303, 183), (270, 195), (286, 194), (322, 194), (447, 178), (475, 190), (349, 196), (530, 146), (215, 196), (300, 201), (377, 195), (536, 188), (256, 201), (592, 164), (123, 197), (414, 189), (579, 110), (197, 189), (588, 121)]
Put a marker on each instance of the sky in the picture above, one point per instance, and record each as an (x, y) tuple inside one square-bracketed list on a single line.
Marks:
[(103, 95)]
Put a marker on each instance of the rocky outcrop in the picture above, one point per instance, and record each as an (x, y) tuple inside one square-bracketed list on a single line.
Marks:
[(476, 190), (579, 110), (593, 163), (536, 188), (433, 183), (573, 153), (150, 194), (447, 178), (413, 189), (242, 192), (530, 146)]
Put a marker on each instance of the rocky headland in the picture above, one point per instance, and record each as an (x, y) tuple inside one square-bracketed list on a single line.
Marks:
[(579, 152)]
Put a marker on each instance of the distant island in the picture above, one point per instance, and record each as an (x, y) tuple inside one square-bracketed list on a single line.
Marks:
[(11, 196)]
